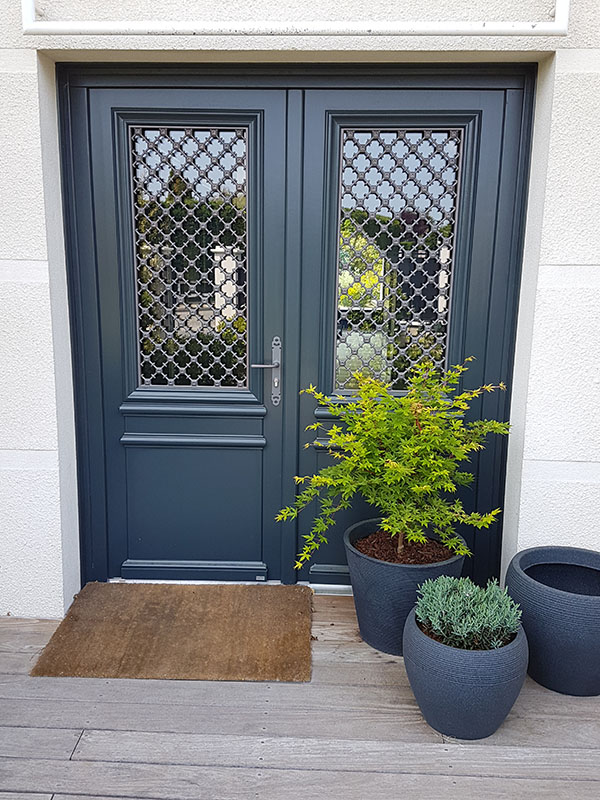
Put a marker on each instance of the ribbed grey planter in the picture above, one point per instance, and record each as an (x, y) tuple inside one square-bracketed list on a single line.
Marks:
[(463, 693), (384, 593), (558, 589)]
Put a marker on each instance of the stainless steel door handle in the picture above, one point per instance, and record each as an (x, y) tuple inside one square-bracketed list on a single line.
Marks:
[(275, 365)]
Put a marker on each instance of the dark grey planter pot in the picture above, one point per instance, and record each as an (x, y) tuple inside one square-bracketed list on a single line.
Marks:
[(558, 589), (384, 593), (466, 694)]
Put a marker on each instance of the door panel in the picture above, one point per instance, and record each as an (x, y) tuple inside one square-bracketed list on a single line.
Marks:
[(186, 274), (161, 479), (210, 211), (401, 236)]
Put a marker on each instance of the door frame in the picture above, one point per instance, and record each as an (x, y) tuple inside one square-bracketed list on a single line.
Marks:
[(295, 78)]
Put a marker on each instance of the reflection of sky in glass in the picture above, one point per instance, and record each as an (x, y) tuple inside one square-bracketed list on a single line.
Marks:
[(387, 177), (211, 165)]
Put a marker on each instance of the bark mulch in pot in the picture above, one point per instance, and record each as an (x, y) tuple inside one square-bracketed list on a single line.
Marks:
[(382, 546)]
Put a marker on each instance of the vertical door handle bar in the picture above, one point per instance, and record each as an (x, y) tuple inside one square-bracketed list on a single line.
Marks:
[(276, 367)]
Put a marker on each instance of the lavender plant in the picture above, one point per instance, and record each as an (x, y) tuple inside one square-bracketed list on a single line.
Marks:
[(457, 612)]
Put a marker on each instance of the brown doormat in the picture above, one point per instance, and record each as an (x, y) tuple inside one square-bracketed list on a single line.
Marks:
[(209, 632)]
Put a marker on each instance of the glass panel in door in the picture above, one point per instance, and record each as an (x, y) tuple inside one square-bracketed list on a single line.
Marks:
[(398, 195)]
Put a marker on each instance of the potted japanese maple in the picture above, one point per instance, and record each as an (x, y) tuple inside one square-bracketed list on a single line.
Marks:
[(465, 654), (402, 453)]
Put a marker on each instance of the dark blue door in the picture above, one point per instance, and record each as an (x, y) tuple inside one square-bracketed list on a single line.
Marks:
[(233, 238)]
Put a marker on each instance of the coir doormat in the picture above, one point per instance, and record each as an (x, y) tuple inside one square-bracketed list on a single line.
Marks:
[(208, 632)]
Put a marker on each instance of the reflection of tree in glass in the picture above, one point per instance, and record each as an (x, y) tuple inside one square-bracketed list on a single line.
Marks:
[(178, 234), (361, 268), (388, 269)]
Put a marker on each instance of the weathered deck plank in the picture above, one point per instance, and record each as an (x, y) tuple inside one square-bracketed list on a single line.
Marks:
[(546, 731), (335, 632), (23, 641), (206, 693), (333, 754), (17, 663), (38, 742), (392, 696), (175, 782), (29, 625), (333, 608), (26, 796), (360, 674), (347, 652), (273, 720)]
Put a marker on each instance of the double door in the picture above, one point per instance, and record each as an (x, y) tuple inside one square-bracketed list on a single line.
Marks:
[(233, 238)]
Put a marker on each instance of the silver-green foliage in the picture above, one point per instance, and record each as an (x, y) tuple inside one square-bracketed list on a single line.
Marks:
[(457, 612)]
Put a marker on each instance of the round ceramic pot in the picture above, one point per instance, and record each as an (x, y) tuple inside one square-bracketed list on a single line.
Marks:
[(384, 593), (466, 694), (558, 589)]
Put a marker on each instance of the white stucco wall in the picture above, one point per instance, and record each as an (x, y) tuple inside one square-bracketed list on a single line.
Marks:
[(555, 403), (30, 540), (294, 10), (560, 499), (553, 480), (584, 31)]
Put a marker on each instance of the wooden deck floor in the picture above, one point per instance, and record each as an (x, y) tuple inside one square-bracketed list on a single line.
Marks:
[(354, 732)]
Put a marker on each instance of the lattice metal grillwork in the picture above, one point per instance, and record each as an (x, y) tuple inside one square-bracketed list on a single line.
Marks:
[(189, 202), (398, 198)]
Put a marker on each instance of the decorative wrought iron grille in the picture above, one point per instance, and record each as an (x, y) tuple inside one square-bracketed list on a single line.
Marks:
[(189, 188), (397, 220)]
